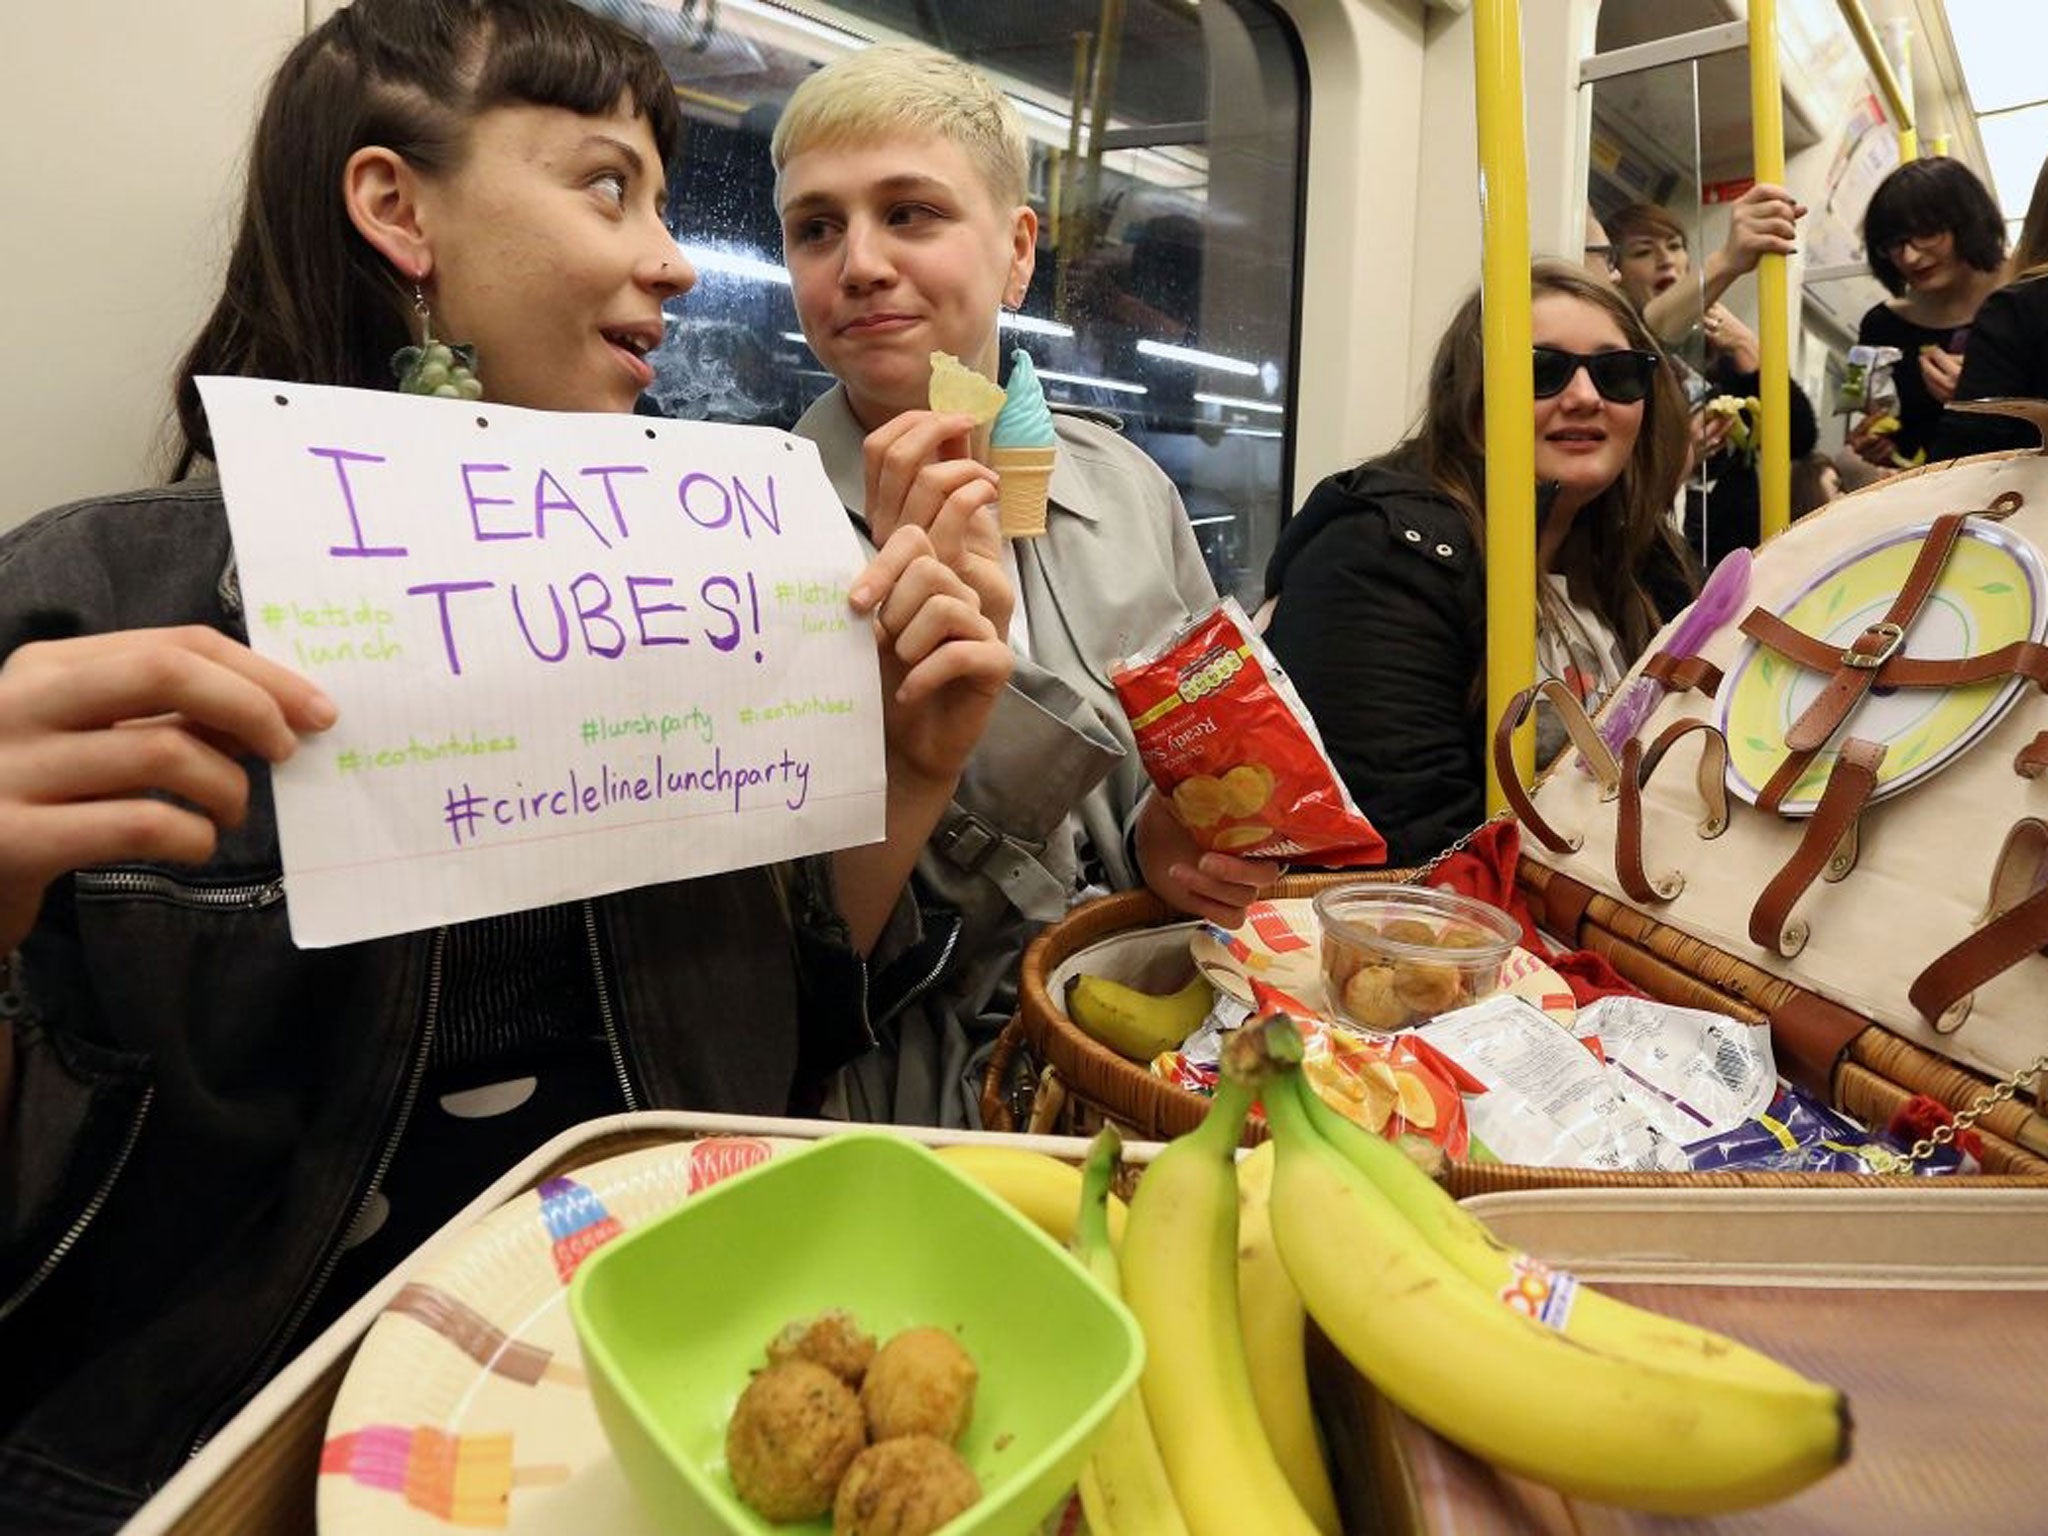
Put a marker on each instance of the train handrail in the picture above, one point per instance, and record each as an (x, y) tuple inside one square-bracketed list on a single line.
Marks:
[(1510, 379)]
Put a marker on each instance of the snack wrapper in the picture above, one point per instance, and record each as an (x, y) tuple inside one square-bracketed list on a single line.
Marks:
[(1393, 1085), (1797, 1133), (1867, 383), (1230, 745)]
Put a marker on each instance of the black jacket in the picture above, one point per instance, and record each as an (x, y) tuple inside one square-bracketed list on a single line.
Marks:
[(1381, 625), (200, 1107), (2008, 355)]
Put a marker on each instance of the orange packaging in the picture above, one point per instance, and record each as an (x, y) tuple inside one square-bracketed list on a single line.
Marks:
[(1228, 742)]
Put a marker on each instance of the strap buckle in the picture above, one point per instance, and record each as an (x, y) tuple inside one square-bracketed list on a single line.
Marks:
[(1892, 637), (967, 842)]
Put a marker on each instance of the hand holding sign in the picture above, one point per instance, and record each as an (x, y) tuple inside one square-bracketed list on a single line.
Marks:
[(95, 731)]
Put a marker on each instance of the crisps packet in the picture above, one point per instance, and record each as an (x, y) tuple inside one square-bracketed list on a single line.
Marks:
[(1230, 745)]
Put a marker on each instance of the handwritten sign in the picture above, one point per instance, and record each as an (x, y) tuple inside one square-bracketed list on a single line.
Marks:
[(572, 653)]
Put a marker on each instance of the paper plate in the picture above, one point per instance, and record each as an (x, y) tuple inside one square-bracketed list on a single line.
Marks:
[(1990, 593), (1281, 944), (465, 1408)]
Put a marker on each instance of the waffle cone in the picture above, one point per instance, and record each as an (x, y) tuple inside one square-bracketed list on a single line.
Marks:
[(1026, 475)]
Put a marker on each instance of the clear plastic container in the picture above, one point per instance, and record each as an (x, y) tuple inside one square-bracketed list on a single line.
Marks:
[(1395, 955)]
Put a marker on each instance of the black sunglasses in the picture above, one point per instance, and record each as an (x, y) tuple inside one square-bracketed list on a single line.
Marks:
[(1622, 377)]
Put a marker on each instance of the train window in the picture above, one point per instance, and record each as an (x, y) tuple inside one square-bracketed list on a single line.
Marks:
[(1166, 170)]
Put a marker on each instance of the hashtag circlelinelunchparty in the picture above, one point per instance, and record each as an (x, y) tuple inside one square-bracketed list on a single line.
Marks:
[(473, 814)]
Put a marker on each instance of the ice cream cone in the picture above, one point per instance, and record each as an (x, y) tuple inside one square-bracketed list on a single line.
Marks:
[(1026, 475)]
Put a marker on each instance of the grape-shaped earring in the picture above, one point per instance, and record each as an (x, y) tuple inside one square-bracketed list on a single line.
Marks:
[(446, 369)]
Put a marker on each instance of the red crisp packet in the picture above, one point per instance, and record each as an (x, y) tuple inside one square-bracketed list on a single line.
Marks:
[(1230, 744)]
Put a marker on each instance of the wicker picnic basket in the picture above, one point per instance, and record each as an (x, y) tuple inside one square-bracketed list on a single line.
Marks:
[(1047, 1074)]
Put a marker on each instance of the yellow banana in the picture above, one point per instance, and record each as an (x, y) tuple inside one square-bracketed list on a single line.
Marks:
[(1553, 1296), (1274, 1326), (1180, 1279), (1606, 1427), (1135, 1024), (1046, 1191), (1124, 1487)]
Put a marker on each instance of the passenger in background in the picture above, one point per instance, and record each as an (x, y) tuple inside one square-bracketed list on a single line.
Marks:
[(1933, 236), (900, 179), (1723, 504), (2008, 346), (1815, 482), (1380, 606), (1652, 261), (214, 1140)]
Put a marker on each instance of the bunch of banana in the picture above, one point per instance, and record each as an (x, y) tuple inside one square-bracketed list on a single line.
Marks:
[(1652, 1416), (1134, 1024), (1553, 1296), (1044, 1190), (1124, 1487), (1274, 1326), (1179, 1262)]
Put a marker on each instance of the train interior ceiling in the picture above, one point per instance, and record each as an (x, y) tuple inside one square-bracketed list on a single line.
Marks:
[(1256, 215)]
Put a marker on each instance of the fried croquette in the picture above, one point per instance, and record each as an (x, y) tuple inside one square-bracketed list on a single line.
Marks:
[(832, 1339), (1426, 987), (793, 1434), (920, 1383), (1369, 998), (1409, 930), (909, 1486)]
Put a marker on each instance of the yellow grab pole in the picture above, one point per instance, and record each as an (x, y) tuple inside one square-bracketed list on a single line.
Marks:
[(1900, 103), (1767, 124), (1510, 382)]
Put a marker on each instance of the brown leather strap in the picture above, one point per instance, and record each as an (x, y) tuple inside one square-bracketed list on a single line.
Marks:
[(1858, 665), (1828, 837), (2013, 925), (1941, 993), (1636, 767), (2031, 759), (2020, 658), (1583, 736), (1679, 674)]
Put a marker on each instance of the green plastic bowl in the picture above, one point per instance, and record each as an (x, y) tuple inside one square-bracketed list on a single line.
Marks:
[(674, 1318)]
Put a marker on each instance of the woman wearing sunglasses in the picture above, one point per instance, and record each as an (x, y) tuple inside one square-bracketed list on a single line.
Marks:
[(1379, 591)]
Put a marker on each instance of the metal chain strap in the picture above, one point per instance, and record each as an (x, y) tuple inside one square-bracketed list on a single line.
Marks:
[(1942, 1135), (1420, 876)]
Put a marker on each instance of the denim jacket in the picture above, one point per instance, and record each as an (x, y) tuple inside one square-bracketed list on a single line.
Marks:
[(199, 1109)]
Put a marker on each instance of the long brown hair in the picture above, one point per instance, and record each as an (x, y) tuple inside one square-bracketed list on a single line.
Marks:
[(306, 298), (1622, 543)]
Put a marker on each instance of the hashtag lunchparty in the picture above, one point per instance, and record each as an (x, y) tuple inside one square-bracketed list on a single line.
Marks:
[(471, 813)]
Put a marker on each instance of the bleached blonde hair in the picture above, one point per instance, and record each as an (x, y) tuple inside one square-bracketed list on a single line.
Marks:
[(892, 88)]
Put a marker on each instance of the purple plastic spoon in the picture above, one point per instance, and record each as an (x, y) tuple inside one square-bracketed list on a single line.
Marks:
[(1724, 593)]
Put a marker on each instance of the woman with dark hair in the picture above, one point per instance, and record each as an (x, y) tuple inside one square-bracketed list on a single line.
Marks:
[(212, 1142), (1653, 266), (1380, 600), (2008, 353), (1934, 237)]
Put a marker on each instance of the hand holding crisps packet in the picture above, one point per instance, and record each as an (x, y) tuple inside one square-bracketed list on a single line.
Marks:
[(1229, 743)]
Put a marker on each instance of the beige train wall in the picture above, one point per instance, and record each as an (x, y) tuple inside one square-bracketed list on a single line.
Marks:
[(122, 129)]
